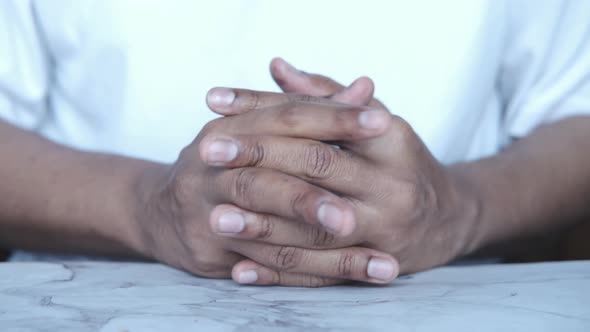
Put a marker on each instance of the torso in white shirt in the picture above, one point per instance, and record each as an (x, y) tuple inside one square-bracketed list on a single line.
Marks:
[(130, 77)]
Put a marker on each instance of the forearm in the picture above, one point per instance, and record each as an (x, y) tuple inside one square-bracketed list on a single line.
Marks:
[(56, 198), (539, 184)]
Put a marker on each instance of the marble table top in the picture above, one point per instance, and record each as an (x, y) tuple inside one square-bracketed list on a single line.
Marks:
[(107, 296)]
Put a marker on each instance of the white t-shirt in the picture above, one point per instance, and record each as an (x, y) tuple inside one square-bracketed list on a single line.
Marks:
[(130, 77)]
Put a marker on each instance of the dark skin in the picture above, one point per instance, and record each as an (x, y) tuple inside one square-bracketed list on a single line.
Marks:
[(391, 206), (56, 198), (462, 189)]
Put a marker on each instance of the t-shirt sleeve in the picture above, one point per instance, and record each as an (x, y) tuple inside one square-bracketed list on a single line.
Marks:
[(545, 74), (24, 65)]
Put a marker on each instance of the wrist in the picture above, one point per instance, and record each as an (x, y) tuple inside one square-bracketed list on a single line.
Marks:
[(146, 188), (466, 205)]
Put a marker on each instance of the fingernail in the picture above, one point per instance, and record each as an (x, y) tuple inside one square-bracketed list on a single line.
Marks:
[(380, 269), (221, 151), (221, 97), (373, 119), (331, 217), (231, 222), (247, 277)]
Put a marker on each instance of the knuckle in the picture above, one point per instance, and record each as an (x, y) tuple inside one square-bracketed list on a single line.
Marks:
[(402, 130), (243, 183), (319, 161), (289, 115), (320, 238), (251, 101), (286, 257), (211, 127), (279, 278), (256, 153), (207, 267), (409, 196), (299, 203), (345, 265), (266, 228), (346, 121), (315, 281)]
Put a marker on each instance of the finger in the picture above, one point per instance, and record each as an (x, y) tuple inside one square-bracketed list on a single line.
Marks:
[(232, 221), (331, 168), (213, 264), (252, 273), (359, 92), (291, 80), (228, 101), (400, 146), (351, 263), (301, 116), (272, 192)]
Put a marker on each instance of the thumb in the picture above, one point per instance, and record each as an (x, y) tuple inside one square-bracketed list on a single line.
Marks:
[(291, 80)]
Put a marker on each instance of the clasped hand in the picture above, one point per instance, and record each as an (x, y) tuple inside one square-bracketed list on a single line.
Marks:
[(312, 187)]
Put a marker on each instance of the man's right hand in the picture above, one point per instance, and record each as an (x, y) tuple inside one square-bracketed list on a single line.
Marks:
[(183, 208)]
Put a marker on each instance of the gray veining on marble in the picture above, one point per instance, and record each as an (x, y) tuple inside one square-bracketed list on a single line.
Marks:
[(117, 297)]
